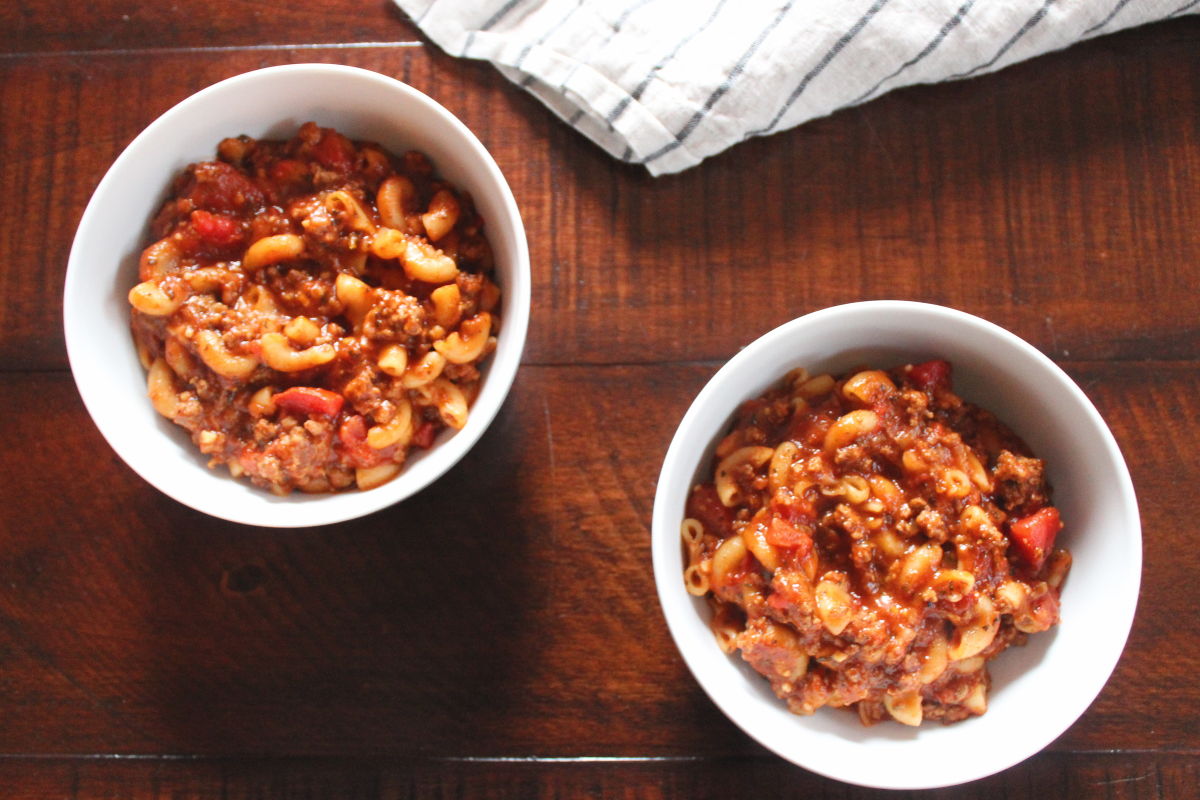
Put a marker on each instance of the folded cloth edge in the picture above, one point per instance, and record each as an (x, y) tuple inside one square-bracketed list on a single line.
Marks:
[(567, 87), (579, 94)]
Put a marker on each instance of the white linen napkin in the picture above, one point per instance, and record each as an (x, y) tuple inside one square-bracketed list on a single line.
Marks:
[(667, 83)]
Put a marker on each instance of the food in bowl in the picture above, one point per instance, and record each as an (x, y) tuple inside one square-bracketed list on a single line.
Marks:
[(270, 104), (872, 541), (311, 310)]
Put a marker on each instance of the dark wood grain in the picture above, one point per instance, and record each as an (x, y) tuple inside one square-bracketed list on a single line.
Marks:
[(526, 624), (955, 194), (118, 25), (1113, 777), (498, 633)]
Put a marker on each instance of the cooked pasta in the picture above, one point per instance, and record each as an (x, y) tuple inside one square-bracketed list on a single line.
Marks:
[(311, 310), (872, 541)]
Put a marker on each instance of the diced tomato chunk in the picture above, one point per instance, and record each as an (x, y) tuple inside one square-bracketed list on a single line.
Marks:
[(423, 436), (334, 151), (288, 170), (704, 504), (931, 375), (288, 178), (782, 533), (1033, 536), (217, 186), (310, 401), (216, 229)]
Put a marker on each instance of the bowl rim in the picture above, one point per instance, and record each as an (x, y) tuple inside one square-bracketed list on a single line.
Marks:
[(680, 614), (308, 511)]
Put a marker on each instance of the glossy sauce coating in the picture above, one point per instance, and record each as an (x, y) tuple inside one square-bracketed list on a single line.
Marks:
[(310, 310), (872, 541)]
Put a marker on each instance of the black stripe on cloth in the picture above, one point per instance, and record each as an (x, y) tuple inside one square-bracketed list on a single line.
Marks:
[(919, 57), (1016, 37), (1116, 10), (1183, 8), (528, 79), (721, 90), (619, 109), (500, 14), (614, 29), (838, 46), (621, 20)]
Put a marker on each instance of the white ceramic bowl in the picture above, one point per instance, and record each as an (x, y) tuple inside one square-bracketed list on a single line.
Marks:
[(268, 103), (1040, 689)]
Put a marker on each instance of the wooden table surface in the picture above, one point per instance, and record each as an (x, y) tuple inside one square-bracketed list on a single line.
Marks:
[(512, 645)]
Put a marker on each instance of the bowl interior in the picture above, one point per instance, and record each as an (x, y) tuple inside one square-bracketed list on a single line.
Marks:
[(1038, 690), (270, 103)]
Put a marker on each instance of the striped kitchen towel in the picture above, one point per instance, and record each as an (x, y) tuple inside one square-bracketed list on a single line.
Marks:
[(667, 83)]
